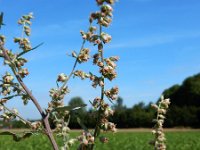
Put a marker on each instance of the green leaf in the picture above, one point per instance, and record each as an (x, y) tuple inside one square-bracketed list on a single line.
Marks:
[(17, 137), (27, 135), (82, 125), (24, 52), (69, 108), (98, 131), (1, 20)]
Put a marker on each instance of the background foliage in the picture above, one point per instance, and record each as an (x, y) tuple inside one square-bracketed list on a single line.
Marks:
[(184, 110)]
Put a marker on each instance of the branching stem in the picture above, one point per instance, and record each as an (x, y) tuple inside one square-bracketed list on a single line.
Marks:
[(34, 100)]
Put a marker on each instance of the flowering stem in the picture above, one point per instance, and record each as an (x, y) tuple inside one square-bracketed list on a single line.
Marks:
[(34, 100), (102, 91), (21, 118), (74, 66)]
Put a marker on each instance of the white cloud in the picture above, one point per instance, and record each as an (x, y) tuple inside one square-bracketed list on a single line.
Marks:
[(155, 40)]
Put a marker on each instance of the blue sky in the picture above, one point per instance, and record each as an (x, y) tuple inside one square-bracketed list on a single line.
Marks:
[(158, 42)]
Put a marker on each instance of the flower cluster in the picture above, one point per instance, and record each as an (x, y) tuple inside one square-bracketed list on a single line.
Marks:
[(23, 72), (84, 55), (100, 2), (91, 35), (8, 78), (103, 17), (6, 84), (7, 115), (57, 97), (24, 43), (81, 74), (107, 126), (106, 38), (8, 87), (15, 60), (62, 77), (36, 125), (112, 93), (161, 108), (26, 22), (68, 144), (2, 39), (85, 139), (96, 80), (25, 98), (106, 111), (18, 62), (103, 139), (107, 70), (96, 102)]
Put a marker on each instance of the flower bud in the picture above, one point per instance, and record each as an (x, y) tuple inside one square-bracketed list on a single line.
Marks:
[(1, 108), (36, 125), (100, 64), (15, 111), (110, 1), (85, 142), (103, 139), (23, 72), (74, 54), (27, 30), (100, 2), (106, 37), (2, 38), (62, 77)]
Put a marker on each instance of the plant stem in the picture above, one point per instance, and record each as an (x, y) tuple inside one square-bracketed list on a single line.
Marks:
[(102, 92), (21, 118), (34, 100), (72, 71)]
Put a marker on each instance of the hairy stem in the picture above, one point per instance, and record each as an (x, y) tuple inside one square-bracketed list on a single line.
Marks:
[(102, 91), (34, 100)]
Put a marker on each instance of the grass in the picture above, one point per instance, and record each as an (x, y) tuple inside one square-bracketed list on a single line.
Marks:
[(131, 140)]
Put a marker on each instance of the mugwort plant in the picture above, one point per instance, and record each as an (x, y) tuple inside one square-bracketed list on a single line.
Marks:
[(56, 117), (12, 84)]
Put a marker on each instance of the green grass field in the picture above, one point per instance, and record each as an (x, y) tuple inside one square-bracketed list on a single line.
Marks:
[(124, 140)]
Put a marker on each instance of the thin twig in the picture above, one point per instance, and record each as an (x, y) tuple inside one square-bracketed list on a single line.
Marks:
[(20, 117), (74, 66)]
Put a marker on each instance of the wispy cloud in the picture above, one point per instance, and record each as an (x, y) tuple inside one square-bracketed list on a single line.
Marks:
[(155, 40), (57, 29)]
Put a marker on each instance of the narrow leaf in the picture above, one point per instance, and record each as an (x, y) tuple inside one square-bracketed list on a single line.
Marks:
[(24, 52), (1, 20), (69, 108), (17, 137), (82, 125)]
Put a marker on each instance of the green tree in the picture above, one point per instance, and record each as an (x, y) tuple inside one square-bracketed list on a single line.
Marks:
[(185, 103), (119, 104), (77, 101), (187, 94), (81, 113)]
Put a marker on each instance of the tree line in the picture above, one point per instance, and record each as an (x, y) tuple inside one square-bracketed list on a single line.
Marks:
[(184, 109)]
